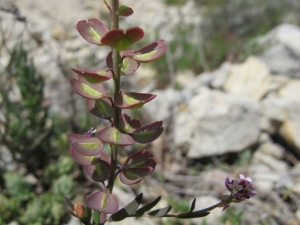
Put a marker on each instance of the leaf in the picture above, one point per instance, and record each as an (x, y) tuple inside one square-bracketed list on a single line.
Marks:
[(89, 146), (87, 89), (137, 166), (92, 30), (129, 66), (125, 11), (69, 203), (103, 201), (98, 172), (148, 133), (113, 136), (83, 159), (94, 76), (120, 39), (96, 217), (101, 108), (194, 214), (160, 212), (147, 207), (129, 125), (131, 176), (151, 52), (128, 209), (193, 205), (133, 100)]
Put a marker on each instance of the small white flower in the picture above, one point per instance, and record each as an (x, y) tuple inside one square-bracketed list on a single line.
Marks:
[(242, 177)]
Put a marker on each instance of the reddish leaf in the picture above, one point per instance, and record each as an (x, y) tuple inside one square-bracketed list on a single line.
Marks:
[(86, 89), (125, 11), (121, 40), (103, 201), (114, 136), (94, 76), (109, 60), (148, 133), (129, 66), (137, 166), (129, 125), (92, 30), (85, 145), (101, 108), (83, 159), (151, 52), (133, 176), (133, 100), (98, 172), (138, 159)]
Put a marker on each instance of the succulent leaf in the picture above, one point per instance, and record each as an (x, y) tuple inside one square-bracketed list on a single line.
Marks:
[(148, 133), (83, 159), (125, 11), (151, 52), (137, 166), (92, 30), (120, 39), (129, 66), (85, 145), (133, 100), (94, 76), (103, 201), (88, 90), (98, 172), (130, 125), (113, 136), (101, 108)]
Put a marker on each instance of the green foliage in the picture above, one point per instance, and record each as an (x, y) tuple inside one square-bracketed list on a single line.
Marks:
[(9, 208), (22, 205), (43, 210), (232, 217), (227, 32), (18, 187), (27, 130), (63, 186), (64, 165), (175, 2), (244, 158)]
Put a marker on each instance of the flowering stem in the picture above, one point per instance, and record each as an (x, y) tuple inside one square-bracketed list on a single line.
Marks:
[(117, 111)]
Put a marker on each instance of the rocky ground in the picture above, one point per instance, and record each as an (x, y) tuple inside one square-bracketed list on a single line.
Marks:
[(240, 118)]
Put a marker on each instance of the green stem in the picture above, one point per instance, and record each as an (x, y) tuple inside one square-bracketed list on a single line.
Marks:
[(117, 111)]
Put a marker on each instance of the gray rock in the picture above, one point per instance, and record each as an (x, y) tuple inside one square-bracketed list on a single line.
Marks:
[(286, 111), (282, 53), (270, 155), (251, 79), (215, 123)]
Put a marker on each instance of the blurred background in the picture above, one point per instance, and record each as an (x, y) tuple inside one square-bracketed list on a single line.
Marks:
[(228, 93)]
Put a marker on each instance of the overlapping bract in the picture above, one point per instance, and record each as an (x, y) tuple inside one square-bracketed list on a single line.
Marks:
[(87, 150)]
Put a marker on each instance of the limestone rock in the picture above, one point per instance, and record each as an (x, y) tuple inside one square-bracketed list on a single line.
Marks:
[(270, 155), (291, 89), (251, 79), (215, 123), (282, 53)]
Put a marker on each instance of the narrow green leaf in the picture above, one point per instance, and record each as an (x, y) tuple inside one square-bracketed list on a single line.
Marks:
[(160, 212), (128, 209), (193, 205), (149, 206), (96, 216), (195, 214)]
